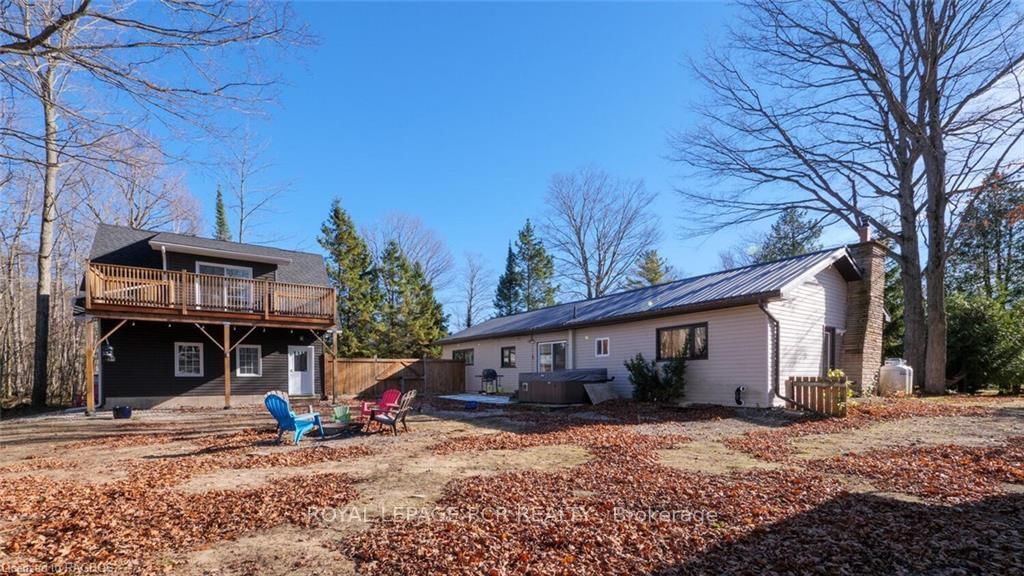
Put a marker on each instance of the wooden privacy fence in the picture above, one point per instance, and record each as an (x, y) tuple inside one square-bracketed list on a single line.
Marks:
[(369, 377), (829, 398)]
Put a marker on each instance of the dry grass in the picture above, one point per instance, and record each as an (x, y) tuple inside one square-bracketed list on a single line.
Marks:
[(188, 463)]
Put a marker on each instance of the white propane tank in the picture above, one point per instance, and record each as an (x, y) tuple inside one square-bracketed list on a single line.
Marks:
[(895, 378)]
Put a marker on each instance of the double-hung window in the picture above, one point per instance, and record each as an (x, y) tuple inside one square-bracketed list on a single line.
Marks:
[(188, 359), (689, 341), (248, 360)]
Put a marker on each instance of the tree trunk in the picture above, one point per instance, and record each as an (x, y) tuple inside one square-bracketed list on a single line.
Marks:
[(934, 156), (43, 262), (915, 332), (935, 273)]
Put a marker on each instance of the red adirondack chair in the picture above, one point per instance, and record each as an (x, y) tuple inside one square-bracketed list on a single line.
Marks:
[(388, 400)]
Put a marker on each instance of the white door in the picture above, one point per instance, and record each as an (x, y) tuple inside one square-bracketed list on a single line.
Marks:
[(300, 370)]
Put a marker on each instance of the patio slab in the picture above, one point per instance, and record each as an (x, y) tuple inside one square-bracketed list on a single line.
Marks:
[(479, 398)]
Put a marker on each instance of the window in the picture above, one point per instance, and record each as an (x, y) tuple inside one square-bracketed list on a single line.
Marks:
[(829, 357), (300, 360), (464, 355), (188, 359), (233, 292), (550, 356), (690, 342), (601, 347), (248, 360), (508, 357)]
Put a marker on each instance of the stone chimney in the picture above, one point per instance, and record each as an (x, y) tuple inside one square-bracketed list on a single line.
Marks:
[(865, 314)]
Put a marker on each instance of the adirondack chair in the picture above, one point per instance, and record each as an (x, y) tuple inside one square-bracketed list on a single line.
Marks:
[(393, 417), (298, 424), (388, 400)]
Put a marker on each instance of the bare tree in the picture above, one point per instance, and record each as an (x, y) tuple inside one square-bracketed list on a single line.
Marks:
[(418, 243), (476, 288), (867, 113), (16, 209), (137, 188), (597, 228), (98, 70), (252, 195)]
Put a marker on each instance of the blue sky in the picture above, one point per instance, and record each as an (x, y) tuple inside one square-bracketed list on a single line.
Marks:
[(460, 113)]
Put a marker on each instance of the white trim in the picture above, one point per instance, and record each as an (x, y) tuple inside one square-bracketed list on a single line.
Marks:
[(259, 361), (224, 288), (219, 253), (202, 370), (608, 347), (563, 342), (310, 365), (224, 266)]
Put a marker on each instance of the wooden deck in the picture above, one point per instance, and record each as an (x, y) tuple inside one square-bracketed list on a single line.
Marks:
[(130, 292)]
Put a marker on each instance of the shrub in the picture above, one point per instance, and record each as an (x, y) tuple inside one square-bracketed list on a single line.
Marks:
[(653, 385), (985, 344)]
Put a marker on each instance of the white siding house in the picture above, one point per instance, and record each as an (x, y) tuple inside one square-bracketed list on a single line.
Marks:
[(806, 296)]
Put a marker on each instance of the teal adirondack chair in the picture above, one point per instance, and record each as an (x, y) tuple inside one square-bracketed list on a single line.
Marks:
[(287, 420)]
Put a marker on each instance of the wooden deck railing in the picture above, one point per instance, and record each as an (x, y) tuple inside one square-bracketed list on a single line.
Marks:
[(186, 292)]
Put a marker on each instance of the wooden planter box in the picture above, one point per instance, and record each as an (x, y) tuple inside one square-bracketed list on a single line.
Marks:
[(825, 397)]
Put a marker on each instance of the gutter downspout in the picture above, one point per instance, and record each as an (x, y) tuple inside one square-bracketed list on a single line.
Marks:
[(571, 352), (774, 322)]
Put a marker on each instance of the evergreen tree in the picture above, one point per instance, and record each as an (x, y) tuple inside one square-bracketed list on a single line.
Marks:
[(394, 270), (350, 268), (792, 234), (221, 231), (411, 317), (508, 297), (427, 322), (536, 270), (651, 269), (988, 256), (892, 332)]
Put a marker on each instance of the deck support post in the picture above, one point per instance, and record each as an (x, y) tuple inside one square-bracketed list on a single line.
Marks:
[(90, 368), (227, 365), (91, 345), (334, 367)]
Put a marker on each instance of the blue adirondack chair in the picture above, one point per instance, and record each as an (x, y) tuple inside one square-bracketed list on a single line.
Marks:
[(287, 420)]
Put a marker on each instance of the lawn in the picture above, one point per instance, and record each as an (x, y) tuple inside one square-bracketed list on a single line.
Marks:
[(904, 486)]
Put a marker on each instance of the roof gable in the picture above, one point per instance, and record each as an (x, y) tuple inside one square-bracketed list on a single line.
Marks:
[(738, 286)]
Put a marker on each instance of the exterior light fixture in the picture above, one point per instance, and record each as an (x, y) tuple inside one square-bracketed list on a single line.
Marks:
[(107, 352)]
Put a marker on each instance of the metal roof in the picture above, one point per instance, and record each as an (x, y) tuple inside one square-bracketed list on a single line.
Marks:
[(735, 287), (132, 247)]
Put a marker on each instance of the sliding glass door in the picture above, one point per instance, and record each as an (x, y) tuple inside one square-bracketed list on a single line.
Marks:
[(233, 292), (551, 356)]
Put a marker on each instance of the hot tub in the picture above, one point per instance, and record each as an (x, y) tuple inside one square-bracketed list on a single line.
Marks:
[(559, 386)]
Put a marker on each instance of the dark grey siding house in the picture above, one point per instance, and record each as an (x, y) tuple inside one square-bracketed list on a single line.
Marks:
[(181, 320)]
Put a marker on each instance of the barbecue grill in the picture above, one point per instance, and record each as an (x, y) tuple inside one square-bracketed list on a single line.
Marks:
[(490, 381)]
